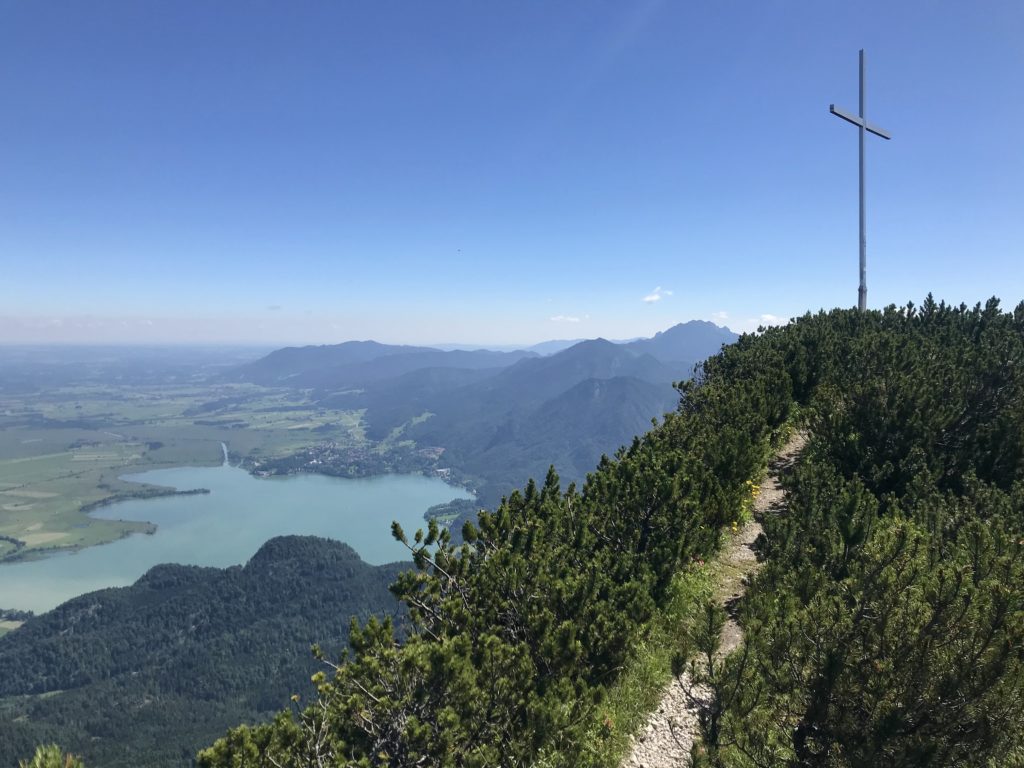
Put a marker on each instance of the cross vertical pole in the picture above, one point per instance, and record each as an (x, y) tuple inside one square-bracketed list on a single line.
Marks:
[(863, 127), (862, 291)]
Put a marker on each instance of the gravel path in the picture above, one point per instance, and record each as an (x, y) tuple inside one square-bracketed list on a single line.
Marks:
[(668, 737)]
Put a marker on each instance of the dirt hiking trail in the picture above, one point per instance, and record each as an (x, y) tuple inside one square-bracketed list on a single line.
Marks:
[(671, 730)]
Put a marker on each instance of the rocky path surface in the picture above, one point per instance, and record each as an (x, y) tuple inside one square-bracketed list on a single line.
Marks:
[(667, 738)]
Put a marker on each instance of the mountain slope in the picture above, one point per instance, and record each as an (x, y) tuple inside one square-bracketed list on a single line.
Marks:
[(395, 401), (566, 410), (685, 343), (529, 383), (289, 362), (571, 431), (541, 378), (183, 653)]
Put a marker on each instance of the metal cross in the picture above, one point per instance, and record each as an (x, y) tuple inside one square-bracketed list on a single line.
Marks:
[(862, 125)]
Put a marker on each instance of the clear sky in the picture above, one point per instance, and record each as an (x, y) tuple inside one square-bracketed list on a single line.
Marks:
[(495, 172)]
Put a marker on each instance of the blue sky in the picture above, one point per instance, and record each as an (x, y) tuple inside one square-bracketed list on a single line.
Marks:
[(495, 172)]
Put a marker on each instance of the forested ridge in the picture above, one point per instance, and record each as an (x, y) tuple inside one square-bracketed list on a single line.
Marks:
[(145, 675), (887, 628)]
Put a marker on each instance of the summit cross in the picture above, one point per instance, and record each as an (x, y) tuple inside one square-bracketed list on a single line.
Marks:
[(863, 126)]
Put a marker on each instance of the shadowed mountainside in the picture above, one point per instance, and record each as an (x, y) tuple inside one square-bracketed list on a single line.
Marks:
[(503, 417)]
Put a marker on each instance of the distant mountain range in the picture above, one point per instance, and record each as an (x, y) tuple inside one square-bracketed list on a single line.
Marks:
[(686, 343), (501, 417), (334, 365), (361, 362)]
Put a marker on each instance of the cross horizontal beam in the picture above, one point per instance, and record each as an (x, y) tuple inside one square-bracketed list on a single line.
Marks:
[(858, 121)]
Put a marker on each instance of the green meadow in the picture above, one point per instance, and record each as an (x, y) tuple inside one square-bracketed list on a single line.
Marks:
[(64, 452)]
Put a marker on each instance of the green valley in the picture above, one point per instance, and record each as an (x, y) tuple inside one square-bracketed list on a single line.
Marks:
[(63, 451)]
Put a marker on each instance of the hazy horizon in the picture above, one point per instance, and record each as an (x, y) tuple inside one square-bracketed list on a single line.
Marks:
[(263, 344)]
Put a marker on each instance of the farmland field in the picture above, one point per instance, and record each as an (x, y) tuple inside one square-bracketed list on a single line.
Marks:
[(63, 450)]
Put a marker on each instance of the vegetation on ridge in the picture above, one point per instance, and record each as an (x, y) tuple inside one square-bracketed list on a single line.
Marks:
[(51, 756), (886, 629), (521, 630), (142, 676)]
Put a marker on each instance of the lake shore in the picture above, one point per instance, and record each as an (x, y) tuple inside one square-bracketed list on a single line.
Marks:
[(225, 526)]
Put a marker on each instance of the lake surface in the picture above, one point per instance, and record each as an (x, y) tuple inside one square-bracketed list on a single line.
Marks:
[(228, 525)]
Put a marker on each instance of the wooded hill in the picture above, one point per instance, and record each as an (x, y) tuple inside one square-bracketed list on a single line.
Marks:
[(886, 629), (145, 675)]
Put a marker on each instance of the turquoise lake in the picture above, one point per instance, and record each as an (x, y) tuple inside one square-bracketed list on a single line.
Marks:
[(228, 525)]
